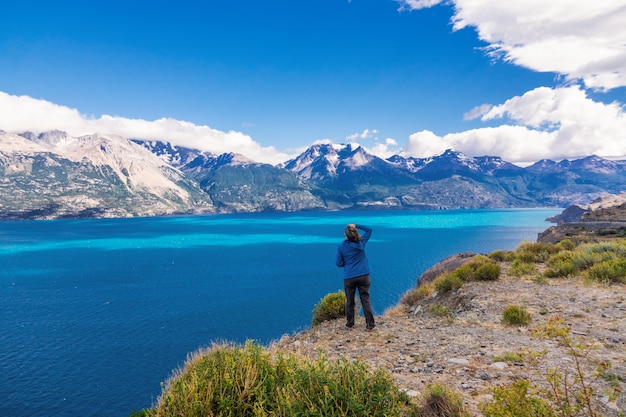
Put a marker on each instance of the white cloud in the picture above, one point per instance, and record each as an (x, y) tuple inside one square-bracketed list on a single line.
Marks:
[(417, 4), (366, 134), (579, 39), (477, 112), (22, 113), (561, 123), (384, 150)]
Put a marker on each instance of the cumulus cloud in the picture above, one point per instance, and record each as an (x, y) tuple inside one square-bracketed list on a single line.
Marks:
[(477, 112), (381, 149), (22, 113), (417, 4), (581, 40), (366, 134), (560, 123)]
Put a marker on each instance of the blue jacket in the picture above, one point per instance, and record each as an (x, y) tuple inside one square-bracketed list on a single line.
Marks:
[(351, 255)]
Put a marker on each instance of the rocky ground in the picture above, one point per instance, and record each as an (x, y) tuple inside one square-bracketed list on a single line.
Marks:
[(466, 349)]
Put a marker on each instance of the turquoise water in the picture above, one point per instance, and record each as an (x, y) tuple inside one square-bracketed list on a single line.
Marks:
[(95, 314)]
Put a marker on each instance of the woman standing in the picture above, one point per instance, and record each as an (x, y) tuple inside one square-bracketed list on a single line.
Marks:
[(356, 272)]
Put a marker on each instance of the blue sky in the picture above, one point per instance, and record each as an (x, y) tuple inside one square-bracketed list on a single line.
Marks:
[(517, 79)]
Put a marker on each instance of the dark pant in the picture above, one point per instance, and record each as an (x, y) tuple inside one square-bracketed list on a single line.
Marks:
[(350, 286)]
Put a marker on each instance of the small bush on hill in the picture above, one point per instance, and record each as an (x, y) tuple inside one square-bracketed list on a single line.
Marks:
[(247, 381), (441, 401), (584, 258), (499, 255), (535, 251), (480, 268), (509, 357), (560, 265), (566, 244), (447, 282), (516, 400), (487, 272), (331, 307), (561, 269), (464, 272), (520, 268), (439, 310), (515, 315), (608, 271)]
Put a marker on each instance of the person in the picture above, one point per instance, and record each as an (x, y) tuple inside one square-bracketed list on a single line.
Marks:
[(356, 273)]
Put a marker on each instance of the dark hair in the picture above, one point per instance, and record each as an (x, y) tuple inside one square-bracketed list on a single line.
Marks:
[(352, 234)]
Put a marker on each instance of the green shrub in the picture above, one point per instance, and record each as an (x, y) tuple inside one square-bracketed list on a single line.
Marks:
[(584, 258), (515, 315), (464, 272), (439, 310), (509, 357), (480, 268), (331, 307), (566, 244), (478, 261), (439, 400), (498, 255), (608, 271), (588, 255), (617, 247), (561, 269), (487, 272), (561, 265), (447, 282), (536, 251), (515, 400), (520, 268), (248, 381), (560, 257)]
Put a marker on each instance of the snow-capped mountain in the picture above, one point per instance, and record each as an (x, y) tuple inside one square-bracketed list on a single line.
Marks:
[(344, 164), (53, 175), (320, 162), (236, 183)]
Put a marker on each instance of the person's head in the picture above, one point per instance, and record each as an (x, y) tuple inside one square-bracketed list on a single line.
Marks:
[(351, 233)]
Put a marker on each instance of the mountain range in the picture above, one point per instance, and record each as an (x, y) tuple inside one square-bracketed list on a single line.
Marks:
[(55, 175)]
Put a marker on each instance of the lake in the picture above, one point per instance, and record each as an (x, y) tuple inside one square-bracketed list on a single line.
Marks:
[(96, 314)]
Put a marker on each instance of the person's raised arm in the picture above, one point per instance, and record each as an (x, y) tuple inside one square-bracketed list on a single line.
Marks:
[(368, 232)]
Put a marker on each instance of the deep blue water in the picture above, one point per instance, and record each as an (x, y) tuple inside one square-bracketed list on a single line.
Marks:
[(95, 314)]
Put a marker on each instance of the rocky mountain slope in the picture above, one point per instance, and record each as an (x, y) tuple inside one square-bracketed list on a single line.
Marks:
[(237, 184), (53, 175)]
